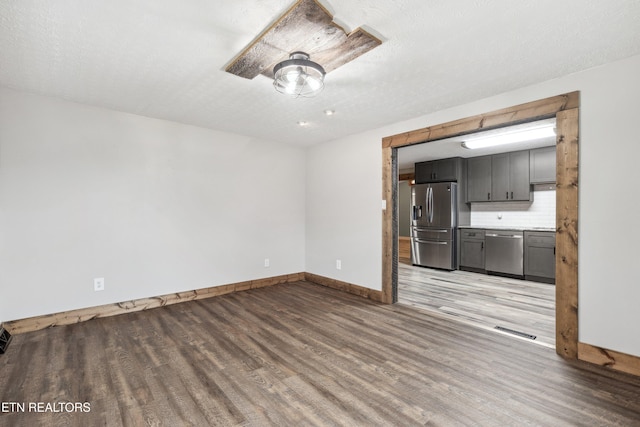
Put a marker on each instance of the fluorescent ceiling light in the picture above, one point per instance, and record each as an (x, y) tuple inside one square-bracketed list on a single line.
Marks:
[(529, 134)]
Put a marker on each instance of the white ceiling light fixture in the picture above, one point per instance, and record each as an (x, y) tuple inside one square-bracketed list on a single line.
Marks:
[(510, 137), (298, 76)]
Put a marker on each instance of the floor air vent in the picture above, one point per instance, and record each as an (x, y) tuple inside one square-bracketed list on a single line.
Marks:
[(518, 333)]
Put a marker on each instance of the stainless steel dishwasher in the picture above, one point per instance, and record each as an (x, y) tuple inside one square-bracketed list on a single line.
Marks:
[(504, 251)]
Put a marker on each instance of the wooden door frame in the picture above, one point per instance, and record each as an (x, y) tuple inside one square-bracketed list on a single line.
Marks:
[(566, 109)]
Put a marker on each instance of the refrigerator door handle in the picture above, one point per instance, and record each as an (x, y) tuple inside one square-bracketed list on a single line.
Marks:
[(426, 202), (432, 242), (430, 203), (432, 207)]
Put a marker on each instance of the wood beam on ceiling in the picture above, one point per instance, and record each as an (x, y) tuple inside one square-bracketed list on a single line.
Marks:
[(528, 112), (307, 27)]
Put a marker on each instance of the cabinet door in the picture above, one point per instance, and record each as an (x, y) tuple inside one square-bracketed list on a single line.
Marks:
[(510, 177), (542, 165), (479, 179), (519, 185), (541, 262), (540, 254), (446, 169), (437, 170), (425, 171), (500, 177), (472, 254)]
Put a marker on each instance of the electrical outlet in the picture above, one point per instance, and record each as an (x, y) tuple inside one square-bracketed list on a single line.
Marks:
[(338, 264), (266, 262), (98, 284)]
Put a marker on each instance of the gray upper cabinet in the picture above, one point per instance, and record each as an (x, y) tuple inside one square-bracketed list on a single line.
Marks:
[(479, 179), (500, 170), (424, 172), (499, 178), (519, 186), (542, 163), (438, 170)]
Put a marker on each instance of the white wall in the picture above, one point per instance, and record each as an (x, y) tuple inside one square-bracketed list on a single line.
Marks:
[(343, 193), (152, 206), (609, 278)]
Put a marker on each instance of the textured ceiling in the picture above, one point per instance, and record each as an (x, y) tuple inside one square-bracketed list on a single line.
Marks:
[(166, 58)]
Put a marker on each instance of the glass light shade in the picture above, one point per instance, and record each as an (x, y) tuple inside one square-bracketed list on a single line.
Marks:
[(298, 76)]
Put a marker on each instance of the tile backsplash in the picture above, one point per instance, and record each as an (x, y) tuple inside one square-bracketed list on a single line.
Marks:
[(539, 213)]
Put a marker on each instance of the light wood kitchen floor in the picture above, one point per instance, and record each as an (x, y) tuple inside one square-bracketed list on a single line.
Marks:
[(302, 355), (481, 300)]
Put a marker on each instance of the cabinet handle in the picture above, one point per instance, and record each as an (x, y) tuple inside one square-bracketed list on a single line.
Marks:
[(554, 250), (507, 195), (488, 196), (482, 246), (512, 195)]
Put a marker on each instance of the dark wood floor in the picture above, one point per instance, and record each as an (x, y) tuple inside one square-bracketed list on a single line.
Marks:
[(301, 354), (481, 300)]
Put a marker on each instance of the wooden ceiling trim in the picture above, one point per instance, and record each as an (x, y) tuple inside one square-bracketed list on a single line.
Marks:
[(308, 27), (406, 176), (530, 111)]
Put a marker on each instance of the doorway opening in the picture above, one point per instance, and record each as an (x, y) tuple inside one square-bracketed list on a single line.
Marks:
[(507, 285), (565, 108)]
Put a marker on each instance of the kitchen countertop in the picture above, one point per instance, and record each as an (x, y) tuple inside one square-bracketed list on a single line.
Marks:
[(488, 227)]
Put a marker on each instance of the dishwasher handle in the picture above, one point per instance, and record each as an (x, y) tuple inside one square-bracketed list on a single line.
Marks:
[(506, 236)]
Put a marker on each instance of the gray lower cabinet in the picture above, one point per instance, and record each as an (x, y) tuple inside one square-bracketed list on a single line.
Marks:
[(540, 256), (472, 249)]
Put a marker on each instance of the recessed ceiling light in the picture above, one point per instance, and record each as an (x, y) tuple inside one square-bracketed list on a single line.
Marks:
[(302, 123), (329, 112)]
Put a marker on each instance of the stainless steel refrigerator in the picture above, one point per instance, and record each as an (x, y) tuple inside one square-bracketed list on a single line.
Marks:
[(434, 219)]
